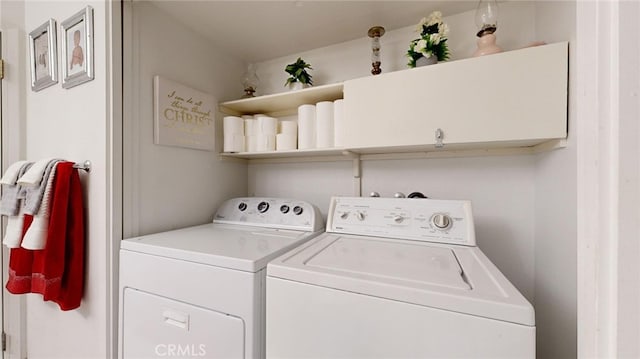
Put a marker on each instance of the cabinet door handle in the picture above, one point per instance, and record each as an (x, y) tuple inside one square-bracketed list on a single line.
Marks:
[(439, 137), (177, 319)]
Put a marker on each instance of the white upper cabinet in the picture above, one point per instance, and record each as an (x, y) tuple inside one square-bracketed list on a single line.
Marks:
[(512, 99)]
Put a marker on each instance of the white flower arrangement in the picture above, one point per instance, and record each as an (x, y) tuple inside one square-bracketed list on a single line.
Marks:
[(433, 39)]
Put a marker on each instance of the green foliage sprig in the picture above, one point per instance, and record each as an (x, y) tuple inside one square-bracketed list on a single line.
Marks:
[(298, 72)]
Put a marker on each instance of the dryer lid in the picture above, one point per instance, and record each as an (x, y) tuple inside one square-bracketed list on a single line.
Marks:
[(230, 246), (454, 278)]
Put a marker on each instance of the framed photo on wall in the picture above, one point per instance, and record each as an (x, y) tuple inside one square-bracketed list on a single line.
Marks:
[(77, 48), (43, 56)]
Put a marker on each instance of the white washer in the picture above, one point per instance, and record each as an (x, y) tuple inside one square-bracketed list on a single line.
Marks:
[(199, 291), (395, 278)]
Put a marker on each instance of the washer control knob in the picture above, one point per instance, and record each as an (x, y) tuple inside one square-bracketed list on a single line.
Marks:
[(344, 215), (360, 216), (263, 207), (374, 194), (297, 210), (242, 206), (441, 221), (398, 195), (398, 219), (284, 209)]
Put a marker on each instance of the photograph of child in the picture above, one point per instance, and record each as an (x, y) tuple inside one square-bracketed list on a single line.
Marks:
[(75, 48)]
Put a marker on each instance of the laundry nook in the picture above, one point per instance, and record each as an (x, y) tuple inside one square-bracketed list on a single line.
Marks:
[(320, 179)]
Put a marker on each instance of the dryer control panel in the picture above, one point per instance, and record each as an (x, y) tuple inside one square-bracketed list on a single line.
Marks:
[(429, 220), (270, 212)]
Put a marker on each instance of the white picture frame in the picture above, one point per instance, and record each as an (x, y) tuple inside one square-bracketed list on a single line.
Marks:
[(43, 56), (77, 48), (183, 117)]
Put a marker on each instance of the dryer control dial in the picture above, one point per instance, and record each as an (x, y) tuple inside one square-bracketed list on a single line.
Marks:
[(269, 212), (263, 206), (398, 219), (360, 216), (441, 221)]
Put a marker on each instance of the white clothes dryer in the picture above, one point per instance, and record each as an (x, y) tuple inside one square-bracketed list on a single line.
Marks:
[(199, 291), (395, 278)]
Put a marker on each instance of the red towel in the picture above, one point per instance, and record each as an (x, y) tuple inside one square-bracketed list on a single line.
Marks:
[(20, 261), (57, 271)]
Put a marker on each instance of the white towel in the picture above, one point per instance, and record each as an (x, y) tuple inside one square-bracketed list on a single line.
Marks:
[(36, 236), (11, 174), (33, 177), (33, 194), (13, 195), (13, 234), (11, 204)]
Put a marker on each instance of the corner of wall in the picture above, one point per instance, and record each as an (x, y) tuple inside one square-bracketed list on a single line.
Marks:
[(556, 208)]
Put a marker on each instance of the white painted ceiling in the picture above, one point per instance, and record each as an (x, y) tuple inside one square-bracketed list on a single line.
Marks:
[(254, 31)]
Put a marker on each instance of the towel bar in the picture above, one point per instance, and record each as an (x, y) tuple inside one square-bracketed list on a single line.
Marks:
[(85, 166)]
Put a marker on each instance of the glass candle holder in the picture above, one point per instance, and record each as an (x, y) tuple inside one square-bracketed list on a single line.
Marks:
[(375, 33), (250, 81), (486, 18)]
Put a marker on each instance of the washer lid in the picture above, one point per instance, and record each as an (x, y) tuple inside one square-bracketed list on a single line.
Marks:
[(231, 246), (448, 277), (402, 261)]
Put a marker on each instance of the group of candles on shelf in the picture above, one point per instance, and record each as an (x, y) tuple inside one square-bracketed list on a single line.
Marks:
[(314, 127)]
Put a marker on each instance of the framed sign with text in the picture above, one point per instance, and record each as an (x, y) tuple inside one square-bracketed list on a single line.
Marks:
[(183, 117)]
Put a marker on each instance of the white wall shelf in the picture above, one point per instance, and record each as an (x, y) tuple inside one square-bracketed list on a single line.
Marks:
[(285, 103), (410, 152), (328, 154)]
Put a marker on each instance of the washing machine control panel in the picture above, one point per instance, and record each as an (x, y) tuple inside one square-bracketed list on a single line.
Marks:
[(429, 220), (270, 212)]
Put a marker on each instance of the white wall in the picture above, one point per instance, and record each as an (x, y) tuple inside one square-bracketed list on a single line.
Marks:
[(629, 182), (72, 124), (314, 182), (352, 59), (556, 208), (171, 187)]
